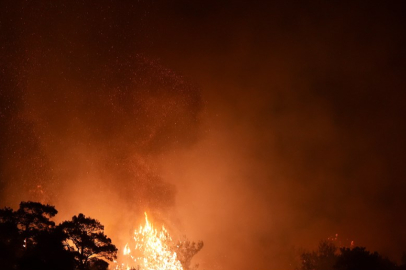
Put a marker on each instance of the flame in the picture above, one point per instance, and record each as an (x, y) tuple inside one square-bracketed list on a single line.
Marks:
[(152, 246), (126, 250)]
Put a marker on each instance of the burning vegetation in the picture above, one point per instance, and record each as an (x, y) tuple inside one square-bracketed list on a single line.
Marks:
[(153, 249), (30, 240)]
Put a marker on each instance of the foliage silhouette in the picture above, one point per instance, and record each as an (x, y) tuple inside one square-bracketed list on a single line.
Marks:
[(35, 216), (323, 259), (85, 238), (29, 239), (48, 253), (358, 258), (32, 218), (11, 242)]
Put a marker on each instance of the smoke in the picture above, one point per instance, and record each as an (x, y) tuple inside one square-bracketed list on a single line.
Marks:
[(304, 123), (84, 127), (288, 129)]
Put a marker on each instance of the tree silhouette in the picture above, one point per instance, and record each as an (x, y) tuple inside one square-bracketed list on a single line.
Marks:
[(87, 241), (33, 217), (358, 258), (323, 259), (48, 253), (11, 242), (28, 239)]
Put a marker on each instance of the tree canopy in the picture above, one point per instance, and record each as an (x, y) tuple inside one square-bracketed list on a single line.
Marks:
[(329, 257), (358, 258), (322, 259), (30, 240), (86, 239)]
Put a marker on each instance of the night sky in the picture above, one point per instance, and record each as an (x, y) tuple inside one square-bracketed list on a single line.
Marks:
[(260, 128)]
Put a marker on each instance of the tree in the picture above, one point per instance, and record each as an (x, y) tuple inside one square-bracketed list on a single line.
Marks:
[(33, 217), (87, 241), (48, 253), (10, 239), (324, 259), (358, 258), (185, 250), (28, 239)]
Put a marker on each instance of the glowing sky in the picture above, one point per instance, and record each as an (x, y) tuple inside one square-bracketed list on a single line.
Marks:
[(257, 128)]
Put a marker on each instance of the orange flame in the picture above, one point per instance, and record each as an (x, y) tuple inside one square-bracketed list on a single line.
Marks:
[(152, 245)]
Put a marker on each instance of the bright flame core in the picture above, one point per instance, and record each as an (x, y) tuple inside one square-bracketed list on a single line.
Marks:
[(152, 245)]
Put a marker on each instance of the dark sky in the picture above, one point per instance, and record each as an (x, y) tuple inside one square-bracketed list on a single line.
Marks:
[(260, 128)]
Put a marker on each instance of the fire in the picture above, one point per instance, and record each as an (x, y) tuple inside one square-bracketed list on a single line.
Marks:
[(126, 250), (150, 250)]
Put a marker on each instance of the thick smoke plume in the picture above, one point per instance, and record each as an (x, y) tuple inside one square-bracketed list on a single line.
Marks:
[(288, 129), (87, 136)]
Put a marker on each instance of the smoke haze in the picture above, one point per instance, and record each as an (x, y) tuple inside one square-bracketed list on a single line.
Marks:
[(260, 129)]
